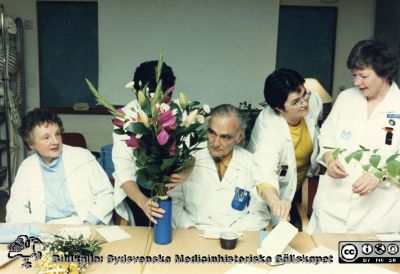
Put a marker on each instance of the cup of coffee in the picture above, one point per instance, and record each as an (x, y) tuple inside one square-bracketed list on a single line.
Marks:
[(228, 239)]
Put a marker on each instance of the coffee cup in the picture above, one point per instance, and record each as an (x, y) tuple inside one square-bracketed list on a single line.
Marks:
[(228, 239)]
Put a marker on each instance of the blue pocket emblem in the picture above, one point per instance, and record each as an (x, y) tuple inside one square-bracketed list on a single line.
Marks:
[(241, 199)]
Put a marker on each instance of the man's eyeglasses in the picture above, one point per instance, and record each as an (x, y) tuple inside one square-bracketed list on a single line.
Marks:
[(305, 97)]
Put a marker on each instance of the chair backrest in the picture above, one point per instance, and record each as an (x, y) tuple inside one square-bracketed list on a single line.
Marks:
[(74, 139)]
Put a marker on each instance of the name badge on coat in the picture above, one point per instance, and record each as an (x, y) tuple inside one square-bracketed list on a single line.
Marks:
[(241, 199)]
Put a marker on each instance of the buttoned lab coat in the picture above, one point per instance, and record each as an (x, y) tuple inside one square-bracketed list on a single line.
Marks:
[(89, 188), (205, 201), (125, 169), (273, 148), (336, 208)]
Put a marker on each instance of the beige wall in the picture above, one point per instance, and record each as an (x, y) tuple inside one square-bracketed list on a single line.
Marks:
[(355, 22)]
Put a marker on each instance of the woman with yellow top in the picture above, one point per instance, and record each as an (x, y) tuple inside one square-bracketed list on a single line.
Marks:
[(284, 140)]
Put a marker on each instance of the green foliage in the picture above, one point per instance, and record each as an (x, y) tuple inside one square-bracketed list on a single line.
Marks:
[(336, 152), (374, 160), (138, 128), (74, 246), (388, 171)]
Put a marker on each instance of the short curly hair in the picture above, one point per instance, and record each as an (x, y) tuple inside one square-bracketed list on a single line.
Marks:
[(37, 117), (146, 74), (279, 84), (382, 58)]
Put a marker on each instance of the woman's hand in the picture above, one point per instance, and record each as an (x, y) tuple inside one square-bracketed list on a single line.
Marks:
[(335, 169), (281, 209), (177, 179), (151, 209), (181, 177), (365, 184)]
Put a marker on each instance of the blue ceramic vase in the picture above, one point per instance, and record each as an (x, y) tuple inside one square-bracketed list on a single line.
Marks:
[(163, 228)]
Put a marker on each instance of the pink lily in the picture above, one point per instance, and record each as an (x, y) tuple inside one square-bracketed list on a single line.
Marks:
[(162, 137), (167, 120), (118, 122), (132, 142), (169, 91)]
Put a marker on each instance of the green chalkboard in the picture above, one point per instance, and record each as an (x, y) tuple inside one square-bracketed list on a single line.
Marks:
[(68, 53), (306, 41)]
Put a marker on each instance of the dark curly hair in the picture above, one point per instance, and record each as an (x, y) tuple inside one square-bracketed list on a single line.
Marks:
[(382, 58), (279, 84), (146, 73), (37, 117)]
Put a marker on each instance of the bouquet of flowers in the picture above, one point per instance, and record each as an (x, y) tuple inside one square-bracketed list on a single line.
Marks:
[(69, 254), (162, 133)]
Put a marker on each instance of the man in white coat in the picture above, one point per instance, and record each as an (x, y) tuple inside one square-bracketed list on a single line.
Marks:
[(218, 193)]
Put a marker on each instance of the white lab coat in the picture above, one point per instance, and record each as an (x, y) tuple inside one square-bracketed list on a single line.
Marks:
[(336, 208), (205, 201), (88, 185), (272, 146), (125, 169)]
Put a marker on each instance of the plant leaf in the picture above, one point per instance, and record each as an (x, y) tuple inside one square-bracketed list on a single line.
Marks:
[(119, 131), (347, 158), (379, 174), (326, 147), (374, 160), (357, 155), (393, 168), (364, 148), (138, 128), (366, 167), (167, 163), (335, 153), (391, 158)]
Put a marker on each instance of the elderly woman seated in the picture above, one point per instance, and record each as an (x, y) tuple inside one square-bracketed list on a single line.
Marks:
[(58, 183)]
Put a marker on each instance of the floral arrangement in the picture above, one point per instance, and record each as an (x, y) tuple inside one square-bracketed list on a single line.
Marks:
[(387, 171), (162, 133), (68, 247)]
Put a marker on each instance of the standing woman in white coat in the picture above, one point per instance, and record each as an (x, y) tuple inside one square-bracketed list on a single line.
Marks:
[(284, 140), (348, 199), (57, 183)]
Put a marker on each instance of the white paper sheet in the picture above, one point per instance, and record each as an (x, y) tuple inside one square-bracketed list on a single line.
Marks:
[(4, 257), (112, 233), (278, 239), (242, 268)]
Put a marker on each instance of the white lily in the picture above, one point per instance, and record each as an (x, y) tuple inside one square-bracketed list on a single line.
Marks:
[(130, 85), (206, 108), (141, 98), (191, 118), (182, 100), (200, 119), (143, 118)]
